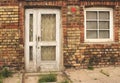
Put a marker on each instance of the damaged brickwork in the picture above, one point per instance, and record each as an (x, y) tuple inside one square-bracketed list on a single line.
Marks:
[(97, 55), (80, 54), (76, 53)]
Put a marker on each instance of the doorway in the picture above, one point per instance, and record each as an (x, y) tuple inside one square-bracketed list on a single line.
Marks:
[(42, 39)]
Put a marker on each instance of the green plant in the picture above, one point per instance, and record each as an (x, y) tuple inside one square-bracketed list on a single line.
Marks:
[(91, 62), (1, 81), (65, 81), (5, 73), (1, 78), (95, 78), (90, 68), (48, 78)]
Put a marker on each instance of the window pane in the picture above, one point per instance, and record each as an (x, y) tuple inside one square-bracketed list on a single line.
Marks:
[(31, 27), (48, 27), (91, 34), (91, 25), (104, 15), (104, 34), (104, 25), (48, 53), (91, 15), (31, 53)]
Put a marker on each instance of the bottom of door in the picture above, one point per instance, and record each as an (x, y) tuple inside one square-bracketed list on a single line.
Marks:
[(48, 67)]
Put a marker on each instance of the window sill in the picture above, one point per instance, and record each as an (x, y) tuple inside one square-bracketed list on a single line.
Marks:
[(109, 42)]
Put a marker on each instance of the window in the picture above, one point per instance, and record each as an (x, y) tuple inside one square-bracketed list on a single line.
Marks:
[(98, 24)]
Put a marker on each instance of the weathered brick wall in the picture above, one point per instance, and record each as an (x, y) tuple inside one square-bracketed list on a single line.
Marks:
[(11, 50), (76, 53), (97, 55), (117, 21), (79, 54), (8, 2), (8, 15)]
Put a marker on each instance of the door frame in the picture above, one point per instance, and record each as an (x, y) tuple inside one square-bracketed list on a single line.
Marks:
[(35, 57)]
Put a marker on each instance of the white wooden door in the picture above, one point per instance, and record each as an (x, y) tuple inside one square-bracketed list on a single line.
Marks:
[(42, 39)]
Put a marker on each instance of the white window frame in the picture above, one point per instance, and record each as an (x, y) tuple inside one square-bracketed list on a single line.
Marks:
[(110, 25)]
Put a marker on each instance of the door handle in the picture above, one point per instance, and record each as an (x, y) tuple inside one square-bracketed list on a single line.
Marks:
[(38, 38)]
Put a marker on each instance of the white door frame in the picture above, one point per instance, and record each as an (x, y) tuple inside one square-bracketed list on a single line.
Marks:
[(37, 62)]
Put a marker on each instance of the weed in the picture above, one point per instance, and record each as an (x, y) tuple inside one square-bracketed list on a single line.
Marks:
[(1, 78), (6, 73), (65, 81), (90, 68), (48, 78), (95, 78)]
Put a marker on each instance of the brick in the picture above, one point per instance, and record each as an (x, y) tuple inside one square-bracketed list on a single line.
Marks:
[(76, 52), (6, 14)]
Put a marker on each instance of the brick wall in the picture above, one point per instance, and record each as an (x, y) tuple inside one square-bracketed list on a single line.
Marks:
[(76, 53), (98, 55), (8, 15), (79, 54), (8, 2), (11, 50)]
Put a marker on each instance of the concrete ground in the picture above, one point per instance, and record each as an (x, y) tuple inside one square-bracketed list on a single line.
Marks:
[(30, 77), (33, 77), (98, 75), (16, 78)]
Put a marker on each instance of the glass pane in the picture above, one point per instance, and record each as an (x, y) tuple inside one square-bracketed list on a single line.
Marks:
[(91, 34), (91, 15), (31, 53), (91, 25), (31, 27), (48, 53), (104, 15), (104, 25), (48, 27), (104, 34)]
